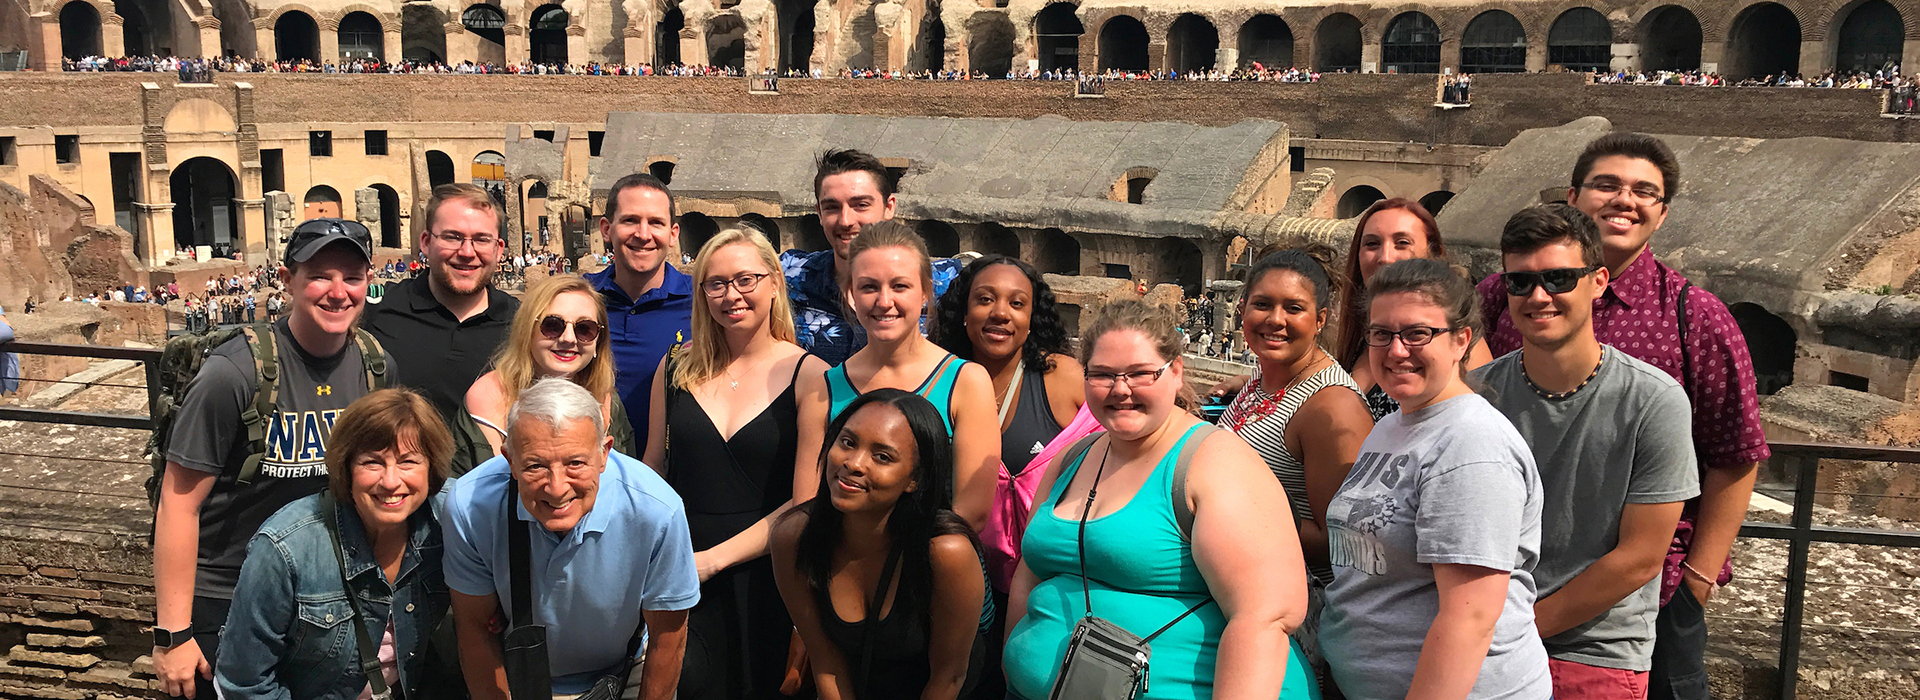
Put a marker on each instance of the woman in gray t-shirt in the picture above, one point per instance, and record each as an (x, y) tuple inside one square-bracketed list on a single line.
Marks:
[(1434, 533)]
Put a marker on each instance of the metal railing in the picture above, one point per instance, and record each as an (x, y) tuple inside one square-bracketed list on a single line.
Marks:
[(149, 358)]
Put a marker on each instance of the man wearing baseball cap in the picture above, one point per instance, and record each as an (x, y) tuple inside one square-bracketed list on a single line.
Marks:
[(221, 482)]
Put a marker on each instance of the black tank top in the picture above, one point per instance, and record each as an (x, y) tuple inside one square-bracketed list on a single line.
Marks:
[(727, 485), (898, 666), (1032, 426)]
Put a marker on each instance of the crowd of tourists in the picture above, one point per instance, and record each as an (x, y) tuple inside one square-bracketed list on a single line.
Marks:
[(863, 472)]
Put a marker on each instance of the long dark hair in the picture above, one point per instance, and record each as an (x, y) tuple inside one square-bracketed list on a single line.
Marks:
[(918, 517), (1353, 312), (1045, 334)]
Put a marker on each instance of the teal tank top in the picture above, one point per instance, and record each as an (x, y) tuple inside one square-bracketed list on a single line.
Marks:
[(1141, 574), (937, 389)]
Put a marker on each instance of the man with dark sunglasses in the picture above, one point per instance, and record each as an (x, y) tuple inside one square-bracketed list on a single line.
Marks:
[(1626, 182), (1610, 435), (221, 480), (443, 326)]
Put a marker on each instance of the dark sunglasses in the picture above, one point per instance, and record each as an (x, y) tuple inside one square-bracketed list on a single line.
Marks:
[(585, 330), (1556, 281), (353, 229)]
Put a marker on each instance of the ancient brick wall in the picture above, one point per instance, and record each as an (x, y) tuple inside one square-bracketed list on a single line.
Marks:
[(74, 634)]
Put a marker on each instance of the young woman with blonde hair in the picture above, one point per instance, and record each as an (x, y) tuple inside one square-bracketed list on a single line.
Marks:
[(560, 331)]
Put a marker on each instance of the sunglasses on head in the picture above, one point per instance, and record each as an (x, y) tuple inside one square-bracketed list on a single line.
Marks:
[(353, 229), (1556, 281), (585, 330)]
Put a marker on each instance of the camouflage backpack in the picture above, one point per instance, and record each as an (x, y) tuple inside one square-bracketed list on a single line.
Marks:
[(182, 359)]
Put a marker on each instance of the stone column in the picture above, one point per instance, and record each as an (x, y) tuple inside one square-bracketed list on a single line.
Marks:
[(330, 40), (156, 221), (209, 27), (516, 36), (43, 42), (577, 44), (1625, 57), (1089, 52), (264, 47), (390, 44), (1814, 59), (113, 36), (693, 46), (1450, 55), (1711, 52), (1536, 56), (279, 219), (1226, 59), (253, 233), (1370, 56), (459, 44), (1157, 54), (636, 46)]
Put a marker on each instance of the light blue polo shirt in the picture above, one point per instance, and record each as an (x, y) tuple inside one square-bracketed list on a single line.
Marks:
[(630, 553)]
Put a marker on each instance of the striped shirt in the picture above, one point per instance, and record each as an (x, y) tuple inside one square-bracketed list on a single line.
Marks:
[(1261, 419)]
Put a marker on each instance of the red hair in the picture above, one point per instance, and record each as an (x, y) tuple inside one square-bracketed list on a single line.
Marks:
[(1351, 315)]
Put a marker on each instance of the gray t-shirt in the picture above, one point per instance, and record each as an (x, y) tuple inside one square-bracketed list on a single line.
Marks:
[(1451, 483), (1625, 437), (210, 436)]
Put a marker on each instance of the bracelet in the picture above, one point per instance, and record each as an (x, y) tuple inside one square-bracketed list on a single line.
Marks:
[(1687, 571)]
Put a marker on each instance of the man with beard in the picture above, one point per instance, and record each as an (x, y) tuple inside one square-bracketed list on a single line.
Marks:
[(442, 328)]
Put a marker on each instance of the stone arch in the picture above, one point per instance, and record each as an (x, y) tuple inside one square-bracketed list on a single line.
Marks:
[(296, 36), (1356, 199), (1410, 43), (766, 226), (1057, 30), (386, 228), (811, 237), (1580, 39), (1338, 43), (82, 32), (1772, 342), (202, 191), (696, 229), (1435, 200), (1266, 39), (726, 35), (1494, 42), (486, 21), (319, 201), (1131, 186), (1670, 38), (302, 8), (796, 23), (389, 21), (1192, 42), (423, 33), (1762, 39), (942, 239), (666, 32), (1180, 260), (547, 33), (147, 27), (1869, 35), (1056, 251), (930, 47), (362, 36), (662, 170), (439, 169), (1123, 44), (990, 238), (990, 37)]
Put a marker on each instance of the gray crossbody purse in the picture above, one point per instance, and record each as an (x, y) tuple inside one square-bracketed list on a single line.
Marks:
[(1103, 660)]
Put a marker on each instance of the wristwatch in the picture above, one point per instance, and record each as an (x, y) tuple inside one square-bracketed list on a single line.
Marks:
[(168, 639)]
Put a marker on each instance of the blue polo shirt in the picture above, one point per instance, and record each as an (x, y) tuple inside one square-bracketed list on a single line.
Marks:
[(630, 553), (642, 330)]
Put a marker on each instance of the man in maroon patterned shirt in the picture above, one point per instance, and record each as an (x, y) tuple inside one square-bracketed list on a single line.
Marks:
[(1625, 182)]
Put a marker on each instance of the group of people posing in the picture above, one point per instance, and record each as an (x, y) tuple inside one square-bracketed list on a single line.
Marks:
[(865, 473)]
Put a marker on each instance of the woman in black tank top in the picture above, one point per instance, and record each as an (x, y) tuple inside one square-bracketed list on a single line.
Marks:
[(725, 436)]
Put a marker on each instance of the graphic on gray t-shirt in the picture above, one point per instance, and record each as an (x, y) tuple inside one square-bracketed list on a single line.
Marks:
[(1451, 483), (210, 436), (1625, 437)]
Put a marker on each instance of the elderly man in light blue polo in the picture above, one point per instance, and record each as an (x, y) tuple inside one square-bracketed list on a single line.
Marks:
[(606, 550)]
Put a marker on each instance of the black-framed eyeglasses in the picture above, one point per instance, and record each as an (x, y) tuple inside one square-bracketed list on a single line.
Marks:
[(453, 241), (1412, 336), (1135, 380), (585, 330), (1645, 194), (1556, 281), (746, 282)]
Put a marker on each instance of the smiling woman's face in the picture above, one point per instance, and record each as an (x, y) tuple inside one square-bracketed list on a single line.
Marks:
[(871, 461), (999, 312)]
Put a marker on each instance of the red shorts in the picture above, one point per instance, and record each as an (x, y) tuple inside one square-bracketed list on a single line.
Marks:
[(1578, 681)]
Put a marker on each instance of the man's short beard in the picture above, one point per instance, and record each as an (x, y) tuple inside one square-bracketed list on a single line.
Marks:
[(437, 276)]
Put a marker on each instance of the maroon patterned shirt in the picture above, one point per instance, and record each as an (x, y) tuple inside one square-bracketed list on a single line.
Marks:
[(1639, 315)]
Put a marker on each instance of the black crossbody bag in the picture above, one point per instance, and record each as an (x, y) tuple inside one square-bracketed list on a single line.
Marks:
[(524, 646), (1103, 660), (369, 650)]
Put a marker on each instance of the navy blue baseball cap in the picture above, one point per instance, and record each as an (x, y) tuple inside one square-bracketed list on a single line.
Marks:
[(313, 235)]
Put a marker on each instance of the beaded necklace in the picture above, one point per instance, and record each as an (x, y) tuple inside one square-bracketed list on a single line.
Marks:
[(1555, 396), (1265, 404)]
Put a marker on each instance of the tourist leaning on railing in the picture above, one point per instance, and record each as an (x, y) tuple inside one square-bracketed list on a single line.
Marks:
[(350, 574)]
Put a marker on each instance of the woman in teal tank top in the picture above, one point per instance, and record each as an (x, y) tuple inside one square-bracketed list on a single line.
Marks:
[(890, 282), (1143, 567)]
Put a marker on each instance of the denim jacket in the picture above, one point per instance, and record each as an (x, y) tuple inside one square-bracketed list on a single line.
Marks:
[(289, 634)]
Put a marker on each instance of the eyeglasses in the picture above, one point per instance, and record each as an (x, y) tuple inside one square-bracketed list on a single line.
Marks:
[(1645, 194), (1135, 380), (585, 330), (453, 241), (1557, 281), (746, 283), (1412, 336)]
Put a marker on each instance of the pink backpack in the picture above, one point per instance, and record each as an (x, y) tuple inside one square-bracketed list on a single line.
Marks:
[(1013, 501)]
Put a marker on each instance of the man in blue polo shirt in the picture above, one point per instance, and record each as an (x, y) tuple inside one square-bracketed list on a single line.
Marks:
[(851, 189), (649, 304), (607, 551)]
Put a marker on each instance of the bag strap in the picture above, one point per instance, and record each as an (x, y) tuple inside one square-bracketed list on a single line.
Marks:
[(1080, 537), (1013, 394), (369, 652), (266, 397), (1182, 513), (373, 358), (873, 620), (518, 564), (1686, 361)]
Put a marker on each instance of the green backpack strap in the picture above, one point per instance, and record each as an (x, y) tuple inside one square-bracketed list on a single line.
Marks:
[(1182, 513), (374, 358), (266, 397)]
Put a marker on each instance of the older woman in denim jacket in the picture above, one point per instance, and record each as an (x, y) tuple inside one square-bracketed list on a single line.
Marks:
[(291, 630)]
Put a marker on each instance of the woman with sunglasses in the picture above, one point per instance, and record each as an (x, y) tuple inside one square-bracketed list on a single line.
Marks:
[(560, 331), (1435, 532), (725, 434)]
